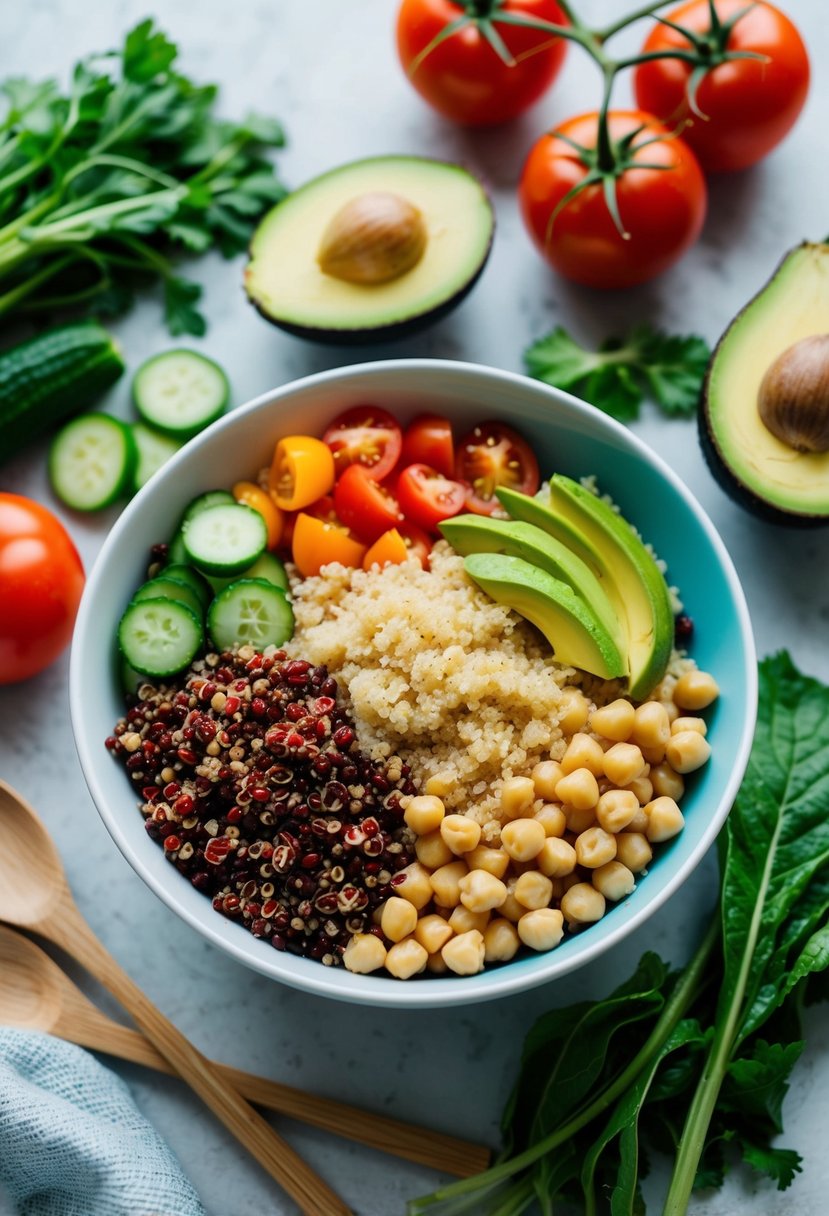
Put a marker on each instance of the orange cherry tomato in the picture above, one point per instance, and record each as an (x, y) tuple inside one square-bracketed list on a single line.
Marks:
[(390, 548), (302, 471), (316, 543), (251, 495)]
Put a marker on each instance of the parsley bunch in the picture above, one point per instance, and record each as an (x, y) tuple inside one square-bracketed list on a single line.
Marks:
[(103, 186)]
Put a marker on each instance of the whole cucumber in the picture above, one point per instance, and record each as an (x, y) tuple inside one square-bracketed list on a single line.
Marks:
[(51, 376)]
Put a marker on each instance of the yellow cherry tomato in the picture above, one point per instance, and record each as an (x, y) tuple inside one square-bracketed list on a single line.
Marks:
[(251, 495), (388, 548), (302, 471), (316, 543)]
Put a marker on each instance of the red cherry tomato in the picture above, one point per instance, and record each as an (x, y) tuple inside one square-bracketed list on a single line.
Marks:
[(416, 541), (493, 455), (464, 77), (41, 580), (428, 440), (749, 104), (365, 506), (662, 210), (426, 496), (364, 435)]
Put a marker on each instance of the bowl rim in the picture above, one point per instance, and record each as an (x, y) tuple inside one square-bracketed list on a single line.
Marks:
[(438, 992)]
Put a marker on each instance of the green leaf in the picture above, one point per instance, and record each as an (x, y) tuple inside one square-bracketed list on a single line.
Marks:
[(147, 53), (781, 1164), (757, 1084), (181, 316), (616, 378)]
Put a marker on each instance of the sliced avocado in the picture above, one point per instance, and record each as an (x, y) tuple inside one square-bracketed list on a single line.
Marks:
[(483, 534), (758, 470), (576, 634), (626, 571), (286, 283)]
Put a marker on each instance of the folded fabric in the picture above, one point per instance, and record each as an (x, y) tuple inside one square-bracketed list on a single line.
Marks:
[(72, 1141)]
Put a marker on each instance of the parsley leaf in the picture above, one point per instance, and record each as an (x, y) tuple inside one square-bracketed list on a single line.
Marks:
[(624, 371)]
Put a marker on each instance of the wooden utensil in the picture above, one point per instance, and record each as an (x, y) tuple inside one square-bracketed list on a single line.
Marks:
[(34, 894), (36, 995)]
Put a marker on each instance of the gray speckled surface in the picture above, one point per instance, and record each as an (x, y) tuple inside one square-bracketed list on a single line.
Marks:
[(330, 72)]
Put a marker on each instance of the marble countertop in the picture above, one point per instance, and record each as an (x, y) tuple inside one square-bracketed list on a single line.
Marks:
[(330, 72)]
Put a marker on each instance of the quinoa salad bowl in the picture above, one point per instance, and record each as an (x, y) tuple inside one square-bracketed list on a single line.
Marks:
[(413, 796)]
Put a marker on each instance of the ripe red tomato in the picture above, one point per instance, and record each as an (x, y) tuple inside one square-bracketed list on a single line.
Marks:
[(428, 440), (662, 210), (365, 435), (416, 541), (41, 580), (426, 496), (493, 455), (464, 77), (365, 506), (749, 104)]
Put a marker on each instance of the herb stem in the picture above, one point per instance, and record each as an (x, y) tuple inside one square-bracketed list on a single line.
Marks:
[(16, 294)]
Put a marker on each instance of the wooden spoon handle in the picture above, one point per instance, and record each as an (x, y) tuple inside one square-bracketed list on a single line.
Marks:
[(314, 1197), (447, 1154)]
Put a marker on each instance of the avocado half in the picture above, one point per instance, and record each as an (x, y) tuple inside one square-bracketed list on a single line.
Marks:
[(763, 474), (284, 281)]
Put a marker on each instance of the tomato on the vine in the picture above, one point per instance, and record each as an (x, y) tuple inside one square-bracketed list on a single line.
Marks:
[(661, 210), (426, 496), (41, 580), (749, 105), (464, 76), (428, 440), (364, 435), (494, 455)]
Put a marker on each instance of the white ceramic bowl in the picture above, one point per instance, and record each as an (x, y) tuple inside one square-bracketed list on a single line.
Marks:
[(568, 436)]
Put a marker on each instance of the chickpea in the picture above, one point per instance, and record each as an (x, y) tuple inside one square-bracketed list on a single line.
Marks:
[(424, 813), (665, 781), (464, 954), (614, 880), (623, 763), (544, 778), (439, 785), (480, 892), (511, 909), (557, 858), (517, 796), (595, 848), (433, 932), (522, 839), (460, 833), (432, 850), (614, 721), (616, 809), (552, 819), (462, 920), (406, 959), (541, 929), (574, 711), (671, 710), (364, 953), (501, 941), (679, 724), (639, 822), (533, 890), (582, 904), (579, 821), (494, 861), (435, 964), (445, 883), (398, 918), (695, 690), (579, 789), (687, 751), (583, 751), (651, 728), (642, 787), (415, 886), (664, 820), (633, 850)]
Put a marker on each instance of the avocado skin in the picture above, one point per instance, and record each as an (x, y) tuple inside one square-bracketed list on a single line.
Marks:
[(721, 471)]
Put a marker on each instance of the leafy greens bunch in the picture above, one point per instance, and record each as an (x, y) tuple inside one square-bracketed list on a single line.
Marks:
[(101, 187), (693, 1063)]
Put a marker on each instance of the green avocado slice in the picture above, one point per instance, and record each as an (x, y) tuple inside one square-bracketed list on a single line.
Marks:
[(483, 534), (577, 636), (284, 281)]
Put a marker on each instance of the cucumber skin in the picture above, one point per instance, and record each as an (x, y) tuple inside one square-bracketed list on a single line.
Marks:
[(50, 376)]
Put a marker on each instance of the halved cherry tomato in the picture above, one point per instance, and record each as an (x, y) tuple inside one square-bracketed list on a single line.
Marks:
[(364, 505), (251, 495), (316, 543), (302, 471), (493, 455), (390, 548), (427, 497), (417, 543), (365, 435), (428, 440)]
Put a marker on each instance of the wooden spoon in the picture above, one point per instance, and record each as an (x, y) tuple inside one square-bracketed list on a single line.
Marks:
[(36, 995), (34, 894)]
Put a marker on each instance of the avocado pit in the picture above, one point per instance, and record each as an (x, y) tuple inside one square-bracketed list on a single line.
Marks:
[(793, 399), (374, 238)]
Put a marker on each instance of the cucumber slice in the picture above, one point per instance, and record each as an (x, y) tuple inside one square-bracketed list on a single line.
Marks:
[(92, 462), (211, 498), (250, 610), (130, 679), (159, 637), (177, 554), (163, 588), (268, 567), (154, 450), (180, 392), (191, 578), (225, 539)]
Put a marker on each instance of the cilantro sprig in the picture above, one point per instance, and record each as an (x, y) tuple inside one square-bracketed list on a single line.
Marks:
[(695, 1063), (617, 378), (104, 186)]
